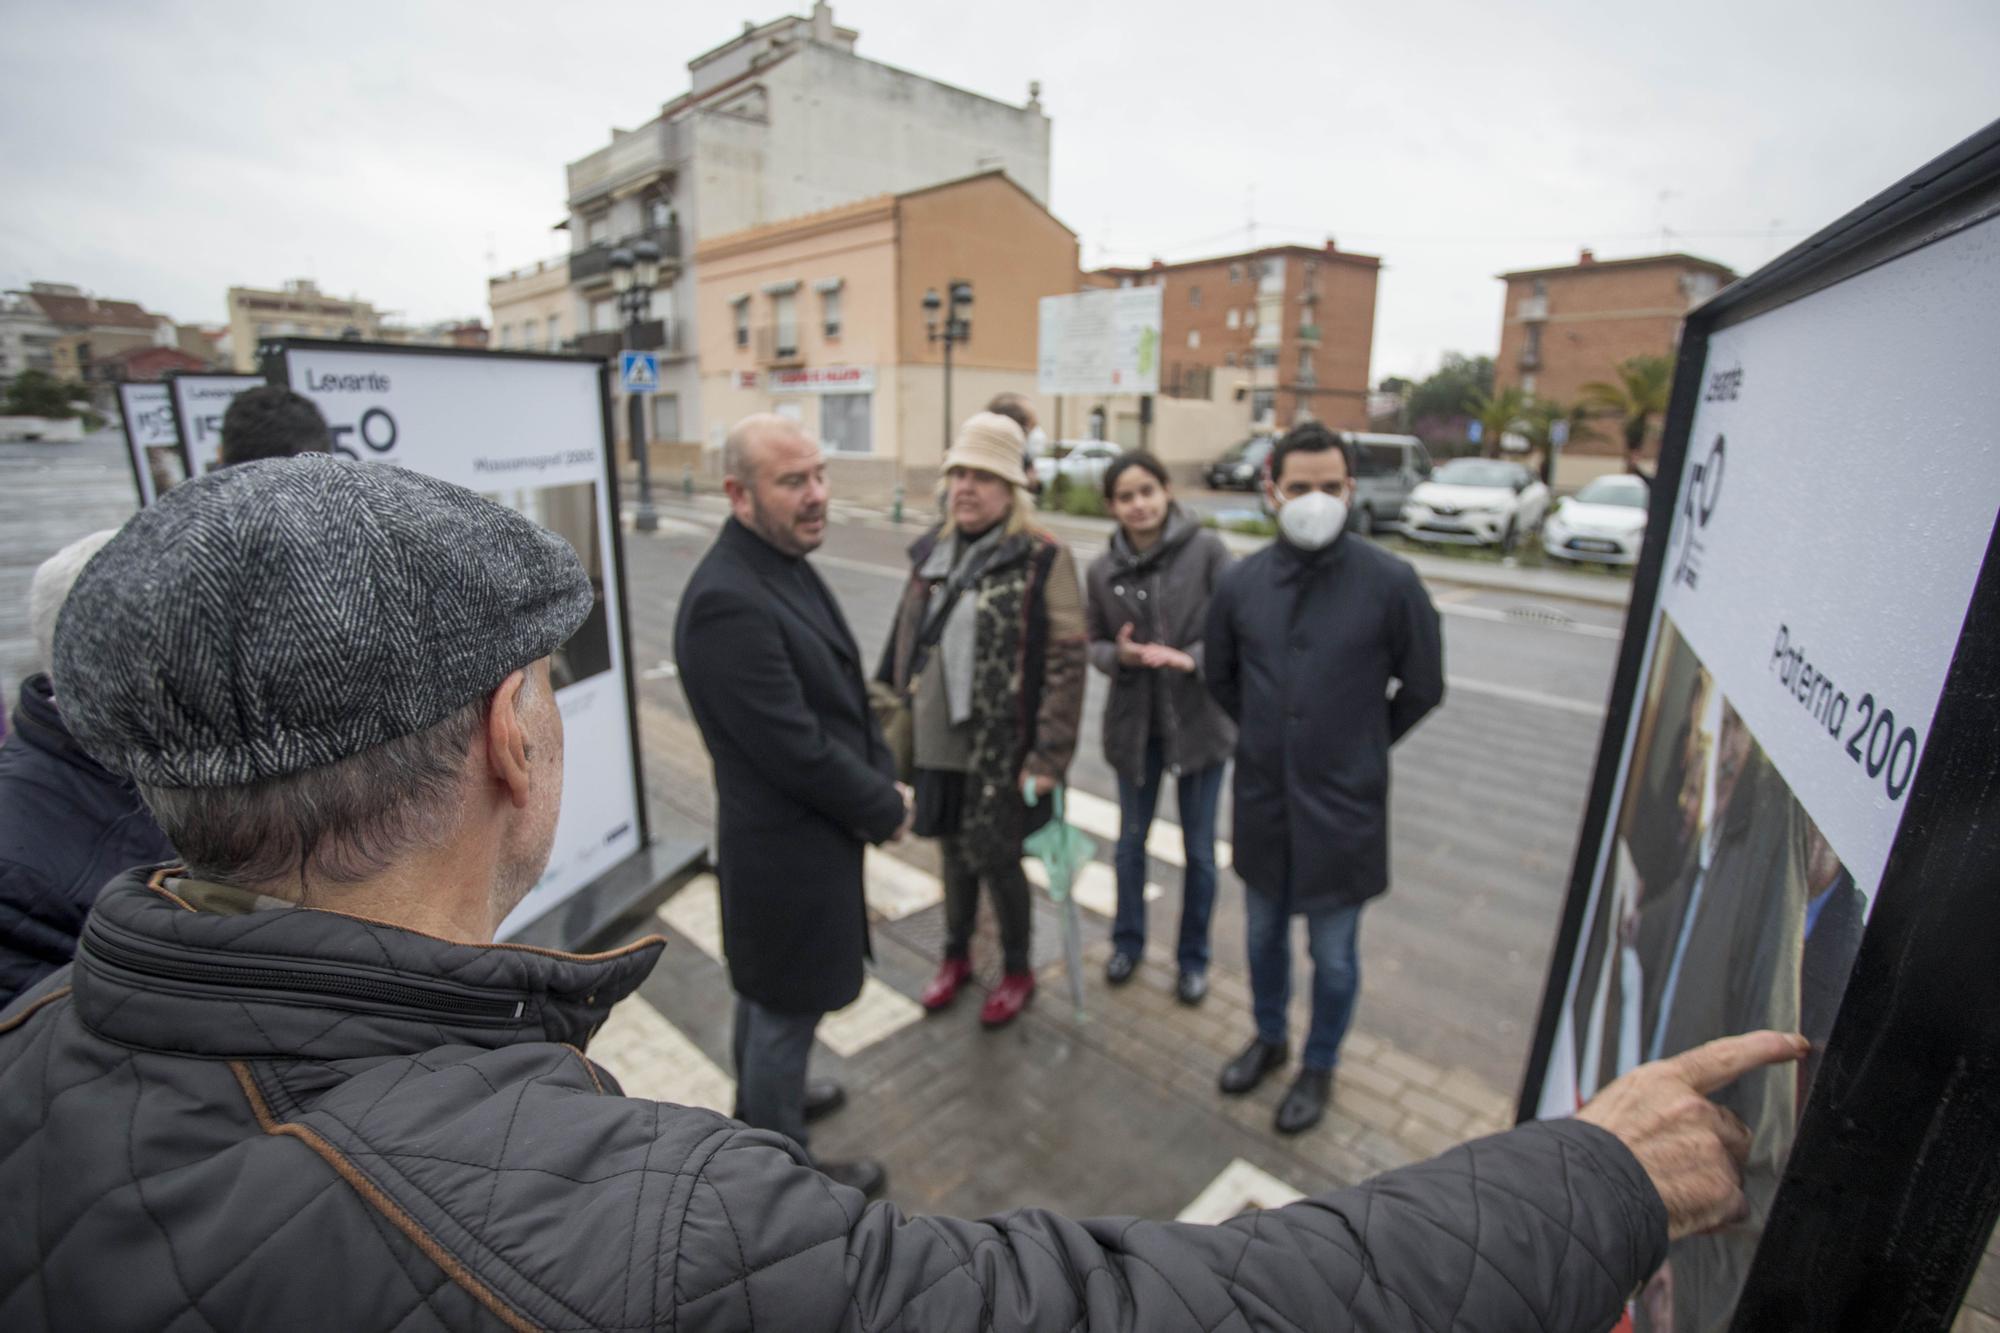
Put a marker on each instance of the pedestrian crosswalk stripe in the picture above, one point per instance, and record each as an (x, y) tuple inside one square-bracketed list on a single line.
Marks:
[(654, 1060), (897, 889), (1095, 886), (1101, 818), (695, 915), (1240, 1187)]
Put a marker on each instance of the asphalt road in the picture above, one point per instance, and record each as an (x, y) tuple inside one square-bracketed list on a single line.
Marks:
[(1487, 793)]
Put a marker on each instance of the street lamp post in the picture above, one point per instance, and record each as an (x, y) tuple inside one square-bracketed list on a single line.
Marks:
[(634, 273), (957, 328)]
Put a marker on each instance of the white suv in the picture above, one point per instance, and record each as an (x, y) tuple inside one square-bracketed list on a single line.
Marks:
[(1476, 502)]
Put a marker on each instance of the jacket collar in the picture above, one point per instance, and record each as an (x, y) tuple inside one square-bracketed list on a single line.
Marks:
[(1011, 551), (782, 573), (1180, 530), (39, 723), (1298, 566), (155, 974)]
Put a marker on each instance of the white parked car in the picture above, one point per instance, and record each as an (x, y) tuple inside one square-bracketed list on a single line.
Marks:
[(1606, 521), (1083, 463), (1476, 502)]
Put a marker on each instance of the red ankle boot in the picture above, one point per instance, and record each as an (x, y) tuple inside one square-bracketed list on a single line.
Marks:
[(1008, 999), (945, 985)]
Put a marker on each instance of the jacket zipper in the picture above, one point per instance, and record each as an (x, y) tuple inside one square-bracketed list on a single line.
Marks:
[(431, 1000)]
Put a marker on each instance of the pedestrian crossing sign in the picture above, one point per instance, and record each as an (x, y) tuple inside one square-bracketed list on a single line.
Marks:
[(639, 372)]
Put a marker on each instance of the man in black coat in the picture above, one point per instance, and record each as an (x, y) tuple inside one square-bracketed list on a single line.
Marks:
[(67, 823), (803, 779), (1304, 642)]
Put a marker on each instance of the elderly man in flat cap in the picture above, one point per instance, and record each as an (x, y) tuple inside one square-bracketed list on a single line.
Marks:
[(292, 1083)]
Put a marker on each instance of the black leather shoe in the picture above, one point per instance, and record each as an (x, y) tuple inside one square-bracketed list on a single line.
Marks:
[(1119, 968), (863, 1173), (1305, 1101), (1192, 988), (823, 1098), (1247, 1070)]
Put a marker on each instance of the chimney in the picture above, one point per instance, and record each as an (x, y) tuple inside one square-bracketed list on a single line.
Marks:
[(1331, 248), (823, 23), (1034, 94), (1589, 256)]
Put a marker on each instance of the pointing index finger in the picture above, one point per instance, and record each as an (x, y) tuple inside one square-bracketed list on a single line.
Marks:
[(1719, 1063)]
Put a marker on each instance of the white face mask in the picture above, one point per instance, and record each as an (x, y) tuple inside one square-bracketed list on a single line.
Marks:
[(1313, 520), (1038, 442)]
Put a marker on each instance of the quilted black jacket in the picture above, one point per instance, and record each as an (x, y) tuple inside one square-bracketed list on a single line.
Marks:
[(301, 1120)]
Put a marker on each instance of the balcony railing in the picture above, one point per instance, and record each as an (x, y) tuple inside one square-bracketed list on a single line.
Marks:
[(1531, 308), (668, 337), (593, 264), (1531, 358), (778, 346), (1309, 334)]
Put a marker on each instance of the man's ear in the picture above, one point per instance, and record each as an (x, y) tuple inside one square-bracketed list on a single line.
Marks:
[(507, 739)]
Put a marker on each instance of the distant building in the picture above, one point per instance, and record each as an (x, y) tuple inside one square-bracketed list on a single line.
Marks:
[(780, 121), (1565, 326), (297, 310), (27, 337), (150, 363), (820, 318), (83, 332), (444, 333), (532, 309), (1294, 324)]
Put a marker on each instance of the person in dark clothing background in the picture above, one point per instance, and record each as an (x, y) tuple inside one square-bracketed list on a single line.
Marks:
[(293, 1082), (1326, 651), (803, 780), (67, 824), (272, 422)]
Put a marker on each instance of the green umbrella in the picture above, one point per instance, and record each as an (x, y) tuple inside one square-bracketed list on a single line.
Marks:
[(1062, 850)]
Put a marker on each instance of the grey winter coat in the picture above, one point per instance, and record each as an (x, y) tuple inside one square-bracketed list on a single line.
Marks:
[(1302, 648), (294, 1119), (1163, 594)]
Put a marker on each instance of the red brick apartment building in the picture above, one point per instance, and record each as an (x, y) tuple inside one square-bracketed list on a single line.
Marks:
[(1563, 327), (1291, 323)]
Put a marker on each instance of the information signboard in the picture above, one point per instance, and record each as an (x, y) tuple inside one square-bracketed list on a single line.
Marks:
[(531, 432), (1794, 822), (200, 400), (1103, 342), (152, 444)]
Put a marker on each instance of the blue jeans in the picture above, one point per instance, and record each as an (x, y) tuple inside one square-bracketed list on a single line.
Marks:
[(1330, 938), (1200, 793)]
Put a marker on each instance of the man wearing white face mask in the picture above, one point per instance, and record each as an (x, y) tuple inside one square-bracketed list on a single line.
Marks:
[(1304, 642)]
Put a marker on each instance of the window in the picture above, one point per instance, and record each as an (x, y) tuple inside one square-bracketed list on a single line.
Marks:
[(666, 416), (1267, 358), (1263, 404), (785, 314), (1541, 288), (506, 335), (593, 229), (1229, 358), (1194, 337), (830, 312), (741, 308), (1306, 375), (1235, 274), (555, 333), (604, 315), (1698, 286), (1194, 297), (844, 423), (1234, 319)]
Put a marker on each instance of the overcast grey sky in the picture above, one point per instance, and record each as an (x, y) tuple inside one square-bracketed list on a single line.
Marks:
[(165, 152)]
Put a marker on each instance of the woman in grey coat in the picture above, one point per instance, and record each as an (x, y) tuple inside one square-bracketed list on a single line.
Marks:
[(1148, 602)]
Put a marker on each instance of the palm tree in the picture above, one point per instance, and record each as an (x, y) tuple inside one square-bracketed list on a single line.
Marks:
[(1497, 413), (1639, 395), (1539, 425)]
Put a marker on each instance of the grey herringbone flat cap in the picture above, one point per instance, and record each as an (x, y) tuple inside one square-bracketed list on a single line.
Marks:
[(280, 615)]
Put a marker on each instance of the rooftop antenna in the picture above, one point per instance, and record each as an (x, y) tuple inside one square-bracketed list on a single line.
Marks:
[(1250, 212), (1661, 209)]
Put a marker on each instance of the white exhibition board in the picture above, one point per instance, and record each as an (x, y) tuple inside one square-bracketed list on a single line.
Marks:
[(199, 404), (150, 438), (527, 432), (1840, 487), (1101, 342)]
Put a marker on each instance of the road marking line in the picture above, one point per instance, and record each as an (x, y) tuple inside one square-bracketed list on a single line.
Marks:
[(653, 1060), (896, 889), (1512, 694), (695, 913), (1495, 614), (1095, 815), (1239, 1188)]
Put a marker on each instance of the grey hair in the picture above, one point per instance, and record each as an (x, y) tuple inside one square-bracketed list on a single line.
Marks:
[(338, 824), (737, 461), (54, 577)]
